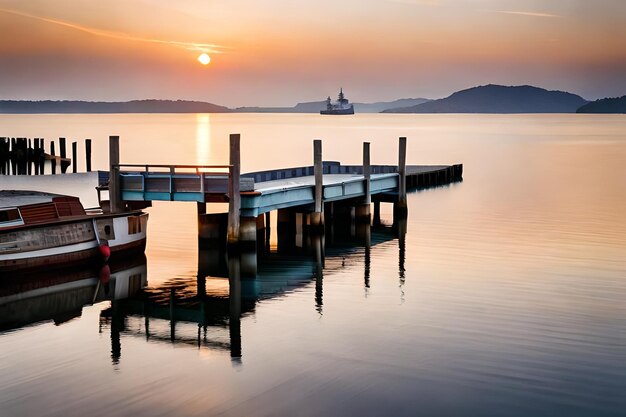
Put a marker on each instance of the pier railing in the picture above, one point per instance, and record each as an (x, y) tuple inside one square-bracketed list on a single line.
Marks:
[(201, 183)]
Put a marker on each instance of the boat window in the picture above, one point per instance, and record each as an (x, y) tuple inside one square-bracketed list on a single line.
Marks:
[(10, 217), (134, 225)]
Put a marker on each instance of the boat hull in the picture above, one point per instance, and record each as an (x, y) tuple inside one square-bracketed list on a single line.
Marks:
[(71, 242), (338, 111)]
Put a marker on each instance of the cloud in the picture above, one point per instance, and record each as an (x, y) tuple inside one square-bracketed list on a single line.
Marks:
[(191, 46), (522, 13)]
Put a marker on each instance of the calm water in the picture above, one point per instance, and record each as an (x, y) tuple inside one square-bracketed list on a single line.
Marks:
[(506, 296)]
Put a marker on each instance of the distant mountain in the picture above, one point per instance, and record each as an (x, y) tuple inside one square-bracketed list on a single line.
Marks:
[(384, 105), (500, 99), (135, 106), (316, 106), (309, 107), (605, 105)]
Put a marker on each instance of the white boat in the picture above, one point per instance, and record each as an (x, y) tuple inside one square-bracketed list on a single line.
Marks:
[(43, 230), (342, 106)]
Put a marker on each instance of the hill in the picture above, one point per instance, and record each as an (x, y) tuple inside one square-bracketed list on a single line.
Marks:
[(605, 105), (500, 99), (384, 105), (316, 106), (135, 106)]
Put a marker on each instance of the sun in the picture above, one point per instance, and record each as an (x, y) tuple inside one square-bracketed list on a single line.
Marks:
[(204, 59)]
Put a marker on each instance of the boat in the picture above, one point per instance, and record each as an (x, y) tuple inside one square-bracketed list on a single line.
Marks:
[(40, 230), (342, 106)]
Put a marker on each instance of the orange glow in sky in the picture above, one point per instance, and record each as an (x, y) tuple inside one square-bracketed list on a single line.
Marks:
[(280, 52)]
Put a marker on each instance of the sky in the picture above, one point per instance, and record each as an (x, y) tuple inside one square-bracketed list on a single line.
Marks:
[(280, 52)]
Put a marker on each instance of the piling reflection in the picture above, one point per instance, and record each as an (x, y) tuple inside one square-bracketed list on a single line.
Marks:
[(400, 225)]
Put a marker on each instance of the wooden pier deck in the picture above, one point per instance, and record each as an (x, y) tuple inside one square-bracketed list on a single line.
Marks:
[(310, 190), (265, 191)]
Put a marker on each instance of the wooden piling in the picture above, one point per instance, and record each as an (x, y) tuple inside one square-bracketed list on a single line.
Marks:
[(317, 217), (88, 155), (377, 221), (53, 161), (41, 158), (29, 157), (62, 151), (36, 156), (74, 153), (362, 212), (400, 208), (114, 189), (4, 156), (234, 197)]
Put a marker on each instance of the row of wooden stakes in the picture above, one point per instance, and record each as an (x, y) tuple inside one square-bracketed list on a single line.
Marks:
[(25, 156)]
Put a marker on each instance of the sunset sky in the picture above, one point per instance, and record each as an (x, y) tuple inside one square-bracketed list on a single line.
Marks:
[(279, 52)]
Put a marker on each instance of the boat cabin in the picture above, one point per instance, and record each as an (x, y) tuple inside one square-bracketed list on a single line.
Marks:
[(19, 208)]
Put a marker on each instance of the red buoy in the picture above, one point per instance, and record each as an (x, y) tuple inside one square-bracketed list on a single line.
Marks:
[(105, 274), (105, 251)]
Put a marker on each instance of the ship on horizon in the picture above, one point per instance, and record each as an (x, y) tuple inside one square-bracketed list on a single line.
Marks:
[(342, 106)]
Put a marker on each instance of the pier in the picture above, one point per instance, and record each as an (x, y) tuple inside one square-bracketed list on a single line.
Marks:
[(308, 195)]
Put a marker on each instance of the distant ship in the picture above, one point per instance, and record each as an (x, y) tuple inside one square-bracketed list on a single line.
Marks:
[(342, 106)]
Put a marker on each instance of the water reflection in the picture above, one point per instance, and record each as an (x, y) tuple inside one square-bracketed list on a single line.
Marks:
[(30, 298), (206, 312), (203, 138)]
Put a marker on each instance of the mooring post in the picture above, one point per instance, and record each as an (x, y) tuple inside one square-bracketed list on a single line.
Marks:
[(234, 197), (29, 157), (63, 153), (400, 207), (362, 212), (88, 155), (3, 156), (42, 157), (74, 153), (53, 161), (317, 217), (114, 186), (36, 155)]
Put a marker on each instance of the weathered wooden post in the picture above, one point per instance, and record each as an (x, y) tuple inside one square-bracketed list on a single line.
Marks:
[(53, 161), (13, 157), (62, 151), (114, 186), (88, 155), (42, 156), (317, 217), (36, 155), (29, 157), (234, 197), (376, 218), (3, 156), (400, 207), (362, 212), (74, 160)]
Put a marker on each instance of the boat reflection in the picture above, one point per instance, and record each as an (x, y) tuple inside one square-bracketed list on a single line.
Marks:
[(59, 296)]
